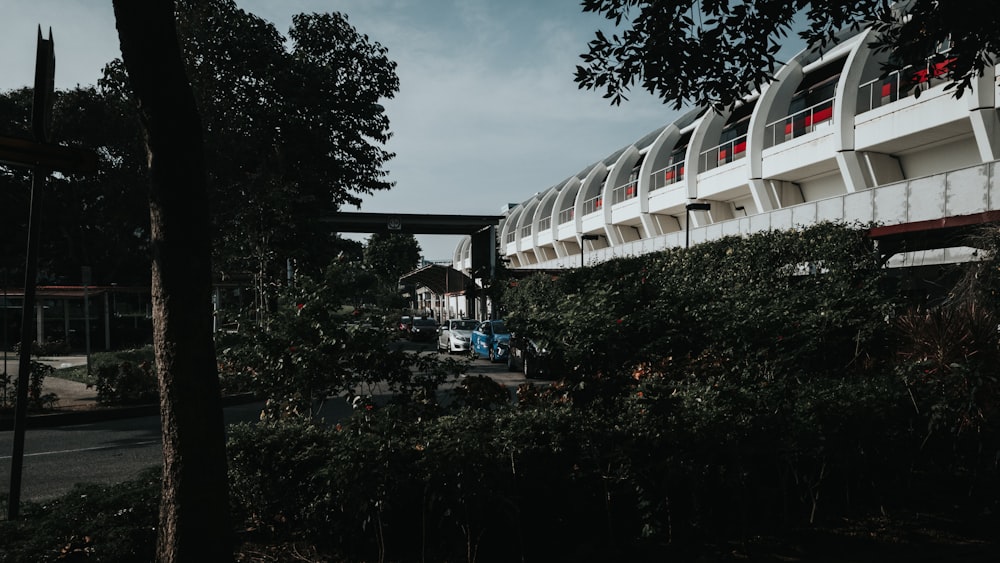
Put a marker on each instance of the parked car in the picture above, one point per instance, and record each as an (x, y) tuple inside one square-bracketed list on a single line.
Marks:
[(423, 329), (487, 340), (529, 356), (454, 335)]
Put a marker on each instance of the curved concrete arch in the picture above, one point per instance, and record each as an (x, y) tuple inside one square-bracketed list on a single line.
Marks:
[(593, 177), (621, 169), (618, 176), (547, 202), (710, 122), (772, 104), (547, 209), (845, 109), (607, 187), (593, 183), (568, 195), (983, 115), (567, 198), (529, 218), (464, 247), (511, 226)]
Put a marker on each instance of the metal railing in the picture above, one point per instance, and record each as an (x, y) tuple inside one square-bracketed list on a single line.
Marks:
[(901, 83), (798, 124), (666, 176), (526, 231), (624, 192), (723, 154), (593, 205), (545, 224), (511, 237), (566, 215)]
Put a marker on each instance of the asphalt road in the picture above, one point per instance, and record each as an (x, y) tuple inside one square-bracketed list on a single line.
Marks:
[(115, 451), (55, 459)]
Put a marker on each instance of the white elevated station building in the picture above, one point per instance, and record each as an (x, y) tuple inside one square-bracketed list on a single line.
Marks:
[(827, 140)]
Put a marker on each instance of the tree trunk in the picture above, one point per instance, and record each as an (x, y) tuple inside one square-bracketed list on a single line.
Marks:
[(194, 510)]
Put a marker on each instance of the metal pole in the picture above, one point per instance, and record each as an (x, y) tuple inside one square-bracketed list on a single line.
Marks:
[(24, 364), (687, 228), (5, 341), (693, 206), (86, 312)]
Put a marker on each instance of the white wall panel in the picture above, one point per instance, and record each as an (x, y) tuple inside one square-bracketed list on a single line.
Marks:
[(968, 191), (859, 207), (889, 203), (924, 198)]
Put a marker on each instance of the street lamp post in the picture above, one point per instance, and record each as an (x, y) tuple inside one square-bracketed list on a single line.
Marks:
[(584, 238), (693, 206)]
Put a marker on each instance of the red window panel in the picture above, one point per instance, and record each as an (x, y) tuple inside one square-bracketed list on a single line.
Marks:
[(740, 148), (820, 116), (935, 70)]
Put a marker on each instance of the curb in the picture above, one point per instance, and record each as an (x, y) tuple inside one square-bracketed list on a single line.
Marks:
[(101, 414)]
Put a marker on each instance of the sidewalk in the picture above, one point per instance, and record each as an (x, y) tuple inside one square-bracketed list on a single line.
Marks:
[(73, 395), (76, 404)]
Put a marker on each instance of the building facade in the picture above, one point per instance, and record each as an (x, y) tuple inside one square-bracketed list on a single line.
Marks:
[(829, 139)]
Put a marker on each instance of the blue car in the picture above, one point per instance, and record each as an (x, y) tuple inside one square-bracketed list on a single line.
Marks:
[(487, 340)]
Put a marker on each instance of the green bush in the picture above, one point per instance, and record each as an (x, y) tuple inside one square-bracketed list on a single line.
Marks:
[(99, 523), (127, 383), (37, 400), (725, 392), (309, 350)]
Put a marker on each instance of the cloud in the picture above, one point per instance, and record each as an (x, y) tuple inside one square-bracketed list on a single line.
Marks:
[(487, 114)]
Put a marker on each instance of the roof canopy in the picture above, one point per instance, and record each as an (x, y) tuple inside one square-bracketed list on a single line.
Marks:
[(439, 279)]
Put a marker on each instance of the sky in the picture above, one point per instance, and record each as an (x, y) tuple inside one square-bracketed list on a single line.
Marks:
[(487, 113)]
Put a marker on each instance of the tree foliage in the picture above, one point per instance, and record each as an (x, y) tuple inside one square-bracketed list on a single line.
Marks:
[(390, 255), (715, 53), (782, 302), (294, 131), (99, 220)]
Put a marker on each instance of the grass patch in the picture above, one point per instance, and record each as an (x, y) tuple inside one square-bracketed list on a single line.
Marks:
[(98, 359)]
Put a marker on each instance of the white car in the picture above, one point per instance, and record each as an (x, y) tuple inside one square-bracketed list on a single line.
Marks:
[(454, 335)]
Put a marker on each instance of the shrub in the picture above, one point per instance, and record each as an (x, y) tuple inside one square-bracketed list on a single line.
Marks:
[(37, 400), (100, 523), (127, 383)]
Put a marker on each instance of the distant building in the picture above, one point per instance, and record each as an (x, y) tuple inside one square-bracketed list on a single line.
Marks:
[(827, 140)]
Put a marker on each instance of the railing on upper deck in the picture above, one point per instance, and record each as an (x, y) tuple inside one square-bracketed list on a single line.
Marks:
[(566, 215), (624, 192), (901, 83), (666, 176), (723, 154), (545, 224), (799, 123), (593, 205)]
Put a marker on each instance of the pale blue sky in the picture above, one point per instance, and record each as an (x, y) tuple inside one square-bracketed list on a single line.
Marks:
[(487, 112)]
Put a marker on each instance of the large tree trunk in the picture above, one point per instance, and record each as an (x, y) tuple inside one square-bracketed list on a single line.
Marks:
[(194, 510)]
